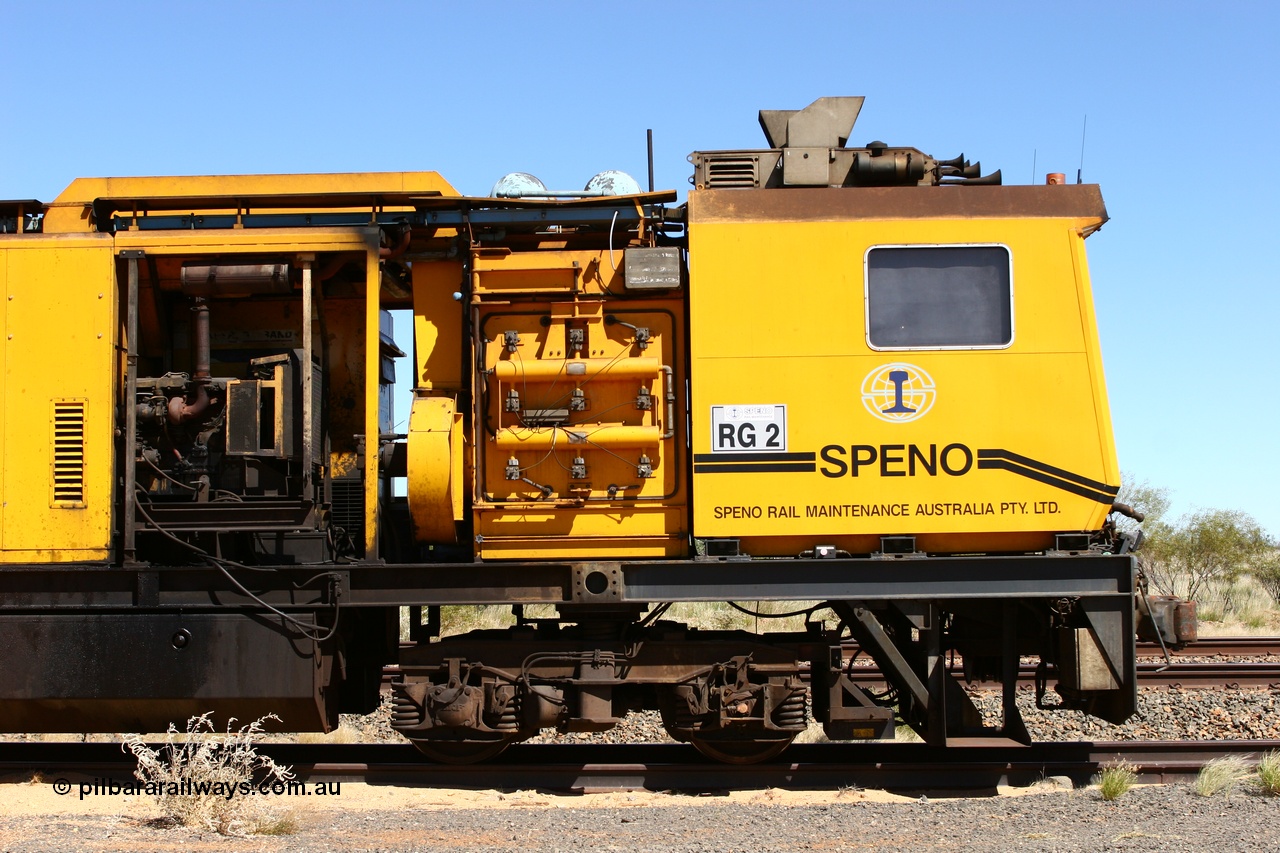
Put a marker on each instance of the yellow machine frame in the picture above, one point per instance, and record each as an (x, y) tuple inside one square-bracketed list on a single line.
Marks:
[(63, 323), (1011, 443)]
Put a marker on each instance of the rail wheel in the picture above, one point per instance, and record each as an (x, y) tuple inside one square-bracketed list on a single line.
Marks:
[(461, 751), (741, 750)]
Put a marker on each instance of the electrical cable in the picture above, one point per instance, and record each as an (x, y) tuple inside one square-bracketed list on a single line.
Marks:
[(806, 612), (305, 628), (164, 474), (614, 221)]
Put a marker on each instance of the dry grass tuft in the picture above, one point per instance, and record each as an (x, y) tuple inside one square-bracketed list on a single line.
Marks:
[(1269, 773), (344, 733), (1220, 776), (903, 733), (205, 779), (1115, 780), (813, 734)]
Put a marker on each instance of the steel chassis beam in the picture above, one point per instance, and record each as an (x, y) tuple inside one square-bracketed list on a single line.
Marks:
[(96, 586)]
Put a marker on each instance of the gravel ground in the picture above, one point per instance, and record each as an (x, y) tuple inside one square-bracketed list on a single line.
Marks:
[(1162, 715), (385, 819), (1154, 818)]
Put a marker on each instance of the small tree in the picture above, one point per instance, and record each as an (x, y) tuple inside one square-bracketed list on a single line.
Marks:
[(1151, 501), (1203, 547), (1265, 569)]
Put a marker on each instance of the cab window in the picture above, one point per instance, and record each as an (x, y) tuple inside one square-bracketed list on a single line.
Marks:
[(939, 297)]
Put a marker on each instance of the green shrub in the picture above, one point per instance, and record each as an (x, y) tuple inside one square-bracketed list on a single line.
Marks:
[(1114, 780), (1203, 548)]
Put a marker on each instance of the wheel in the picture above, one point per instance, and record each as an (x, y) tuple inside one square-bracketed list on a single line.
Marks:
[(461, 751), (741, 751)]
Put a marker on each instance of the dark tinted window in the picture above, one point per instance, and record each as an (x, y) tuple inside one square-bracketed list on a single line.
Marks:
[(939, 296)]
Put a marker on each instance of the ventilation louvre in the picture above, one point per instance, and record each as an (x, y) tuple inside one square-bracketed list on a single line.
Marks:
[(68, 453), (347, 510), (730, 172)]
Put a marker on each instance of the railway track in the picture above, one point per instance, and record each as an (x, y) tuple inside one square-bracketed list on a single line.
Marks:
[(1179, 674), (591, 768), (1242, 647), (1228, 675), (1152, 670)]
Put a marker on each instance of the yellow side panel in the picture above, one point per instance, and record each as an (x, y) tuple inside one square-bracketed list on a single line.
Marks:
[(579, 431), (372, 338), (437, 325), (57, 399), (435, 468), (1004, 447), (796, 289), (1088, 319), (4, 349), (533, 532), (69, 212)]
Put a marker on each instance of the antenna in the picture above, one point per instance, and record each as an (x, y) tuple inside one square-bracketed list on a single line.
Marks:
[(650, 159), (1034, 152), (1083, 129)]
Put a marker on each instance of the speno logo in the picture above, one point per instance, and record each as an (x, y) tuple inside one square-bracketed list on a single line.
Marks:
[(898, 392)]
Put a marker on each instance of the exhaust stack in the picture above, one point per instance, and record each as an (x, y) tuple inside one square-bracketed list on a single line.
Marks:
[(809, 148), (826, 123)]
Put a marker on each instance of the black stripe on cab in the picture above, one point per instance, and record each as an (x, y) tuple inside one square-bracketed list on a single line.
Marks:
[(755, 457), (1048, 480), (1047, 469), (757, 468)]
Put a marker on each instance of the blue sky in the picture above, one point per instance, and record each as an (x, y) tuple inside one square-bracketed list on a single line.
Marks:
[(1182, 132)]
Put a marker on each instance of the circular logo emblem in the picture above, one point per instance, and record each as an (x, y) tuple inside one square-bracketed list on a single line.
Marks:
[(898, 392)]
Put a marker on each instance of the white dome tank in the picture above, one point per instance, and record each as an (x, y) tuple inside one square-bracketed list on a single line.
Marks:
[(518, 185), (613, 182)]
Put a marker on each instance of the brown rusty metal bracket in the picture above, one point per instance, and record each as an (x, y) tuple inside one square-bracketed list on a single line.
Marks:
[(597, 582)]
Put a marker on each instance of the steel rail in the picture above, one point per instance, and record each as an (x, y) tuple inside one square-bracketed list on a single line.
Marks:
[(1222, 675), (1219, 647), (587, 768)]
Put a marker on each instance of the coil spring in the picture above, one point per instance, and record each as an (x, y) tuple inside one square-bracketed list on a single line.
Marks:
[(510, 717), (404, 711), (793, 712), (676, 714)]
